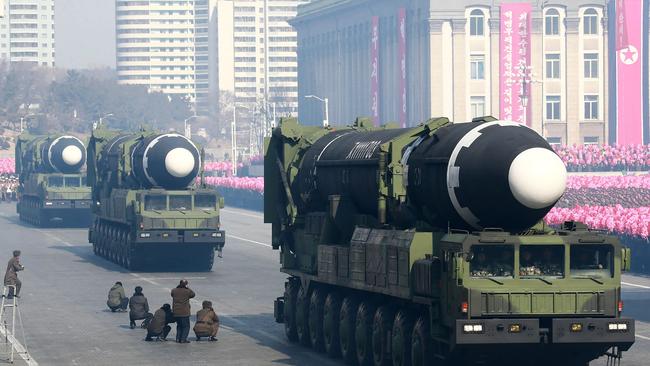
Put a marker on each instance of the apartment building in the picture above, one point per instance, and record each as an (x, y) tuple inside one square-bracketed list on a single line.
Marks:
[(27, 32)]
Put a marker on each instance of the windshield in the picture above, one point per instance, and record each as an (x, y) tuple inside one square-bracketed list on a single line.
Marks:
[(181, 203), (72, 181), (55, 181), (155, 202), (492, 261), (592, 260), (541, 260), (205, 201)]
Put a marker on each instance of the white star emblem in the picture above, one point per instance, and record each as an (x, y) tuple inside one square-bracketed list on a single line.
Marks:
[(629, 55)]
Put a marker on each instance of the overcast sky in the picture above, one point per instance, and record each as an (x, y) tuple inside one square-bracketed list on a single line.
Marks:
[(85, 33)]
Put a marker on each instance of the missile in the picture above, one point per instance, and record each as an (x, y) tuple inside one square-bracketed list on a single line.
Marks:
[(63, 154)]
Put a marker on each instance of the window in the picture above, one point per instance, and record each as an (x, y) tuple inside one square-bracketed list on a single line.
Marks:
[(55, 181), (492, 261), (554, 140), (553, 107), (592, 261), (72, 182), (590, 22), (552, 65), (541, 261), (477, 105), (477, 67), (205, 202), (552, 23), (591, 140), (591, 65), (591, 107), (476, 20), (155, 202), (181, 203)]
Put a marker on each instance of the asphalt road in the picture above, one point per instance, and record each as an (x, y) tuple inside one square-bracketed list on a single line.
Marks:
[(67, 323)]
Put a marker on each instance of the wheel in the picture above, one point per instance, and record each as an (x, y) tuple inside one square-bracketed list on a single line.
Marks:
[(401, 338), (363, 333), (302, 319), (331, 314), (421, 342), (347, 322), (290, 295), (381, 327), (208, 260), (316, 309)]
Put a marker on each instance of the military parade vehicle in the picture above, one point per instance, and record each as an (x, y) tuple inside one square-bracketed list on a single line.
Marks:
[(425, 246), (150, 211), (52, 188)]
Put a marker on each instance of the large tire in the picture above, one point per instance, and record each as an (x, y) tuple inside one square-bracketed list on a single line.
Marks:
[(290, 295), (316, 311), (382, 326), (363, 333), (421, 343), (347, 323), (331, 314), (401, 338), (302, 320)]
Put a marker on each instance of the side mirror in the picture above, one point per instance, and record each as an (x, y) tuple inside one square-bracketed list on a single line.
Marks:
[(458, 266), (469, 256), (626, 259), (221, 202)]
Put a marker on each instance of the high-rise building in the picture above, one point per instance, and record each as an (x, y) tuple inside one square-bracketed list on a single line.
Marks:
[(27, 32), (243, 50), (163, 44)]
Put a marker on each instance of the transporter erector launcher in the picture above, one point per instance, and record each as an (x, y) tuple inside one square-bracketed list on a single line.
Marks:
[(423, 246), (52, 185), (149, 208)]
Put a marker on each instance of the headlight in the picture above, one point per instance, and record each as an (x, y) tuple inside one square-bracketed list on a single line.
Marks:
[(473, 328), (49, 203), (164, 235), (216, 235), (617, 327), (145, 235), (196, 235), (576, 327)]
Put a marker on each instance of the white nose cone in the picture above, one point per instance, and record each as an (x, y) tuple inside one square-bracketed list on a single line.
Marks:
[(537, 178), (72, 155), (179, 162)]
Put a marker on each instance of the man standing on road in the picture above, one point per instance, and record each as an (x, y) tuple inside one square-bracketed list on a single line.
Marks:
[(11, 276), (117, 299), (181, 296)]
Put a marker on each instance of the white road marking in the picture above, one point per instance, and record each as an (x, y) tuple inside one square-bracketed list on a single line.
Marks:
[(242, 214), (635, 285), (643, 337), (171, 278), (56, 238), (248, 240)]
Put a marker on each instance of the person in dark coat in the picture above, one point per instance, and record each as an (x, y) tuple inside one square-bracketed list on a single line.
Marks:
[(181, 296), (207, 323), (11, 276), (139, 307), (117, 299), (158, 326)]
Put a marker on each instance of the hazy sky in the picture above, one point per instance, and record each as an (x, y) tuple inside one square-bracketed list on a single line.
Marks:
[(85, 33)]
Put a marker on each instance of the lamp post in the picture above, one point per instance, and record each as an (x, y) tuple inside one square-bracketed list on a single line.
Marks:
[(187, 127), (326, 120), (101, 118), (233, 137), (524, 76)]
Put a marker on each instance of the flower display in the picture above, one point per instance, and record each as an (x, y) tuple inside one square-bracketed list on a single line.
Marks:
[(239, 183), (7, 166), (605, 157), (616, 219)]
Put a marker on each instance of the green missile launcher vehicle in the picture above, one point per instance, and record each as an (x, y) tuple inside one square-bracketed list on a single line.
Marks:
[(425, 246), (52, 190), (150, 212)]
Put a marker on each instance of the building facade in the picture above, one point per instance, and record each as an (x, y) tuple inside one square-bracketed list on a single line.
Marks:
[(453, 61), (256, 57), (27, 32), (165, 45)]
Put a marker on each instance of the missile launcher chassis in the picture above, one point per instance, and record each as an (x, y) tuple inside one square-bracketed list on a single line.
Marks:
[(393, 258), (149, 212)]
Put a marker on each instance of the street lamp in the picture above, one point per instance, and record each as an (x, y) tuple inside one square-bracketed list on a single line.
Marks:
[(233, 138), (524, 75), (326, 120), (187, 128)]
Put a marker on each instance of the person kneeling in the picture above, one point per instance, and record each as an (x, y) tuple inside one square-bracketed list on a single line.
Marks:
[(139, 308), (207, 322), (158, 326)]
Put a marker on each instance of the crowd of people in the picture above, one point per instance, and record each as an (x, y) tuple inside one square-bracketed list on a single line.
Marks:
[(157, 324), (595, 158), (8, 188)]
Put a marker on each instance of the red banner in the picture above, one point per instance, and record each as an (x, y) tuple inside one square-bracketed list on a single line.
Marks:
[(401, 28), (514, 44), (374, 70), (629, 70)]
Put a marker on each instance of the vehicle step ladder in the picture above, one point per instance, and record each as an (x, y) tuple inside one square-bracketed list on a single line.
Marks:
[(9, 315)]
